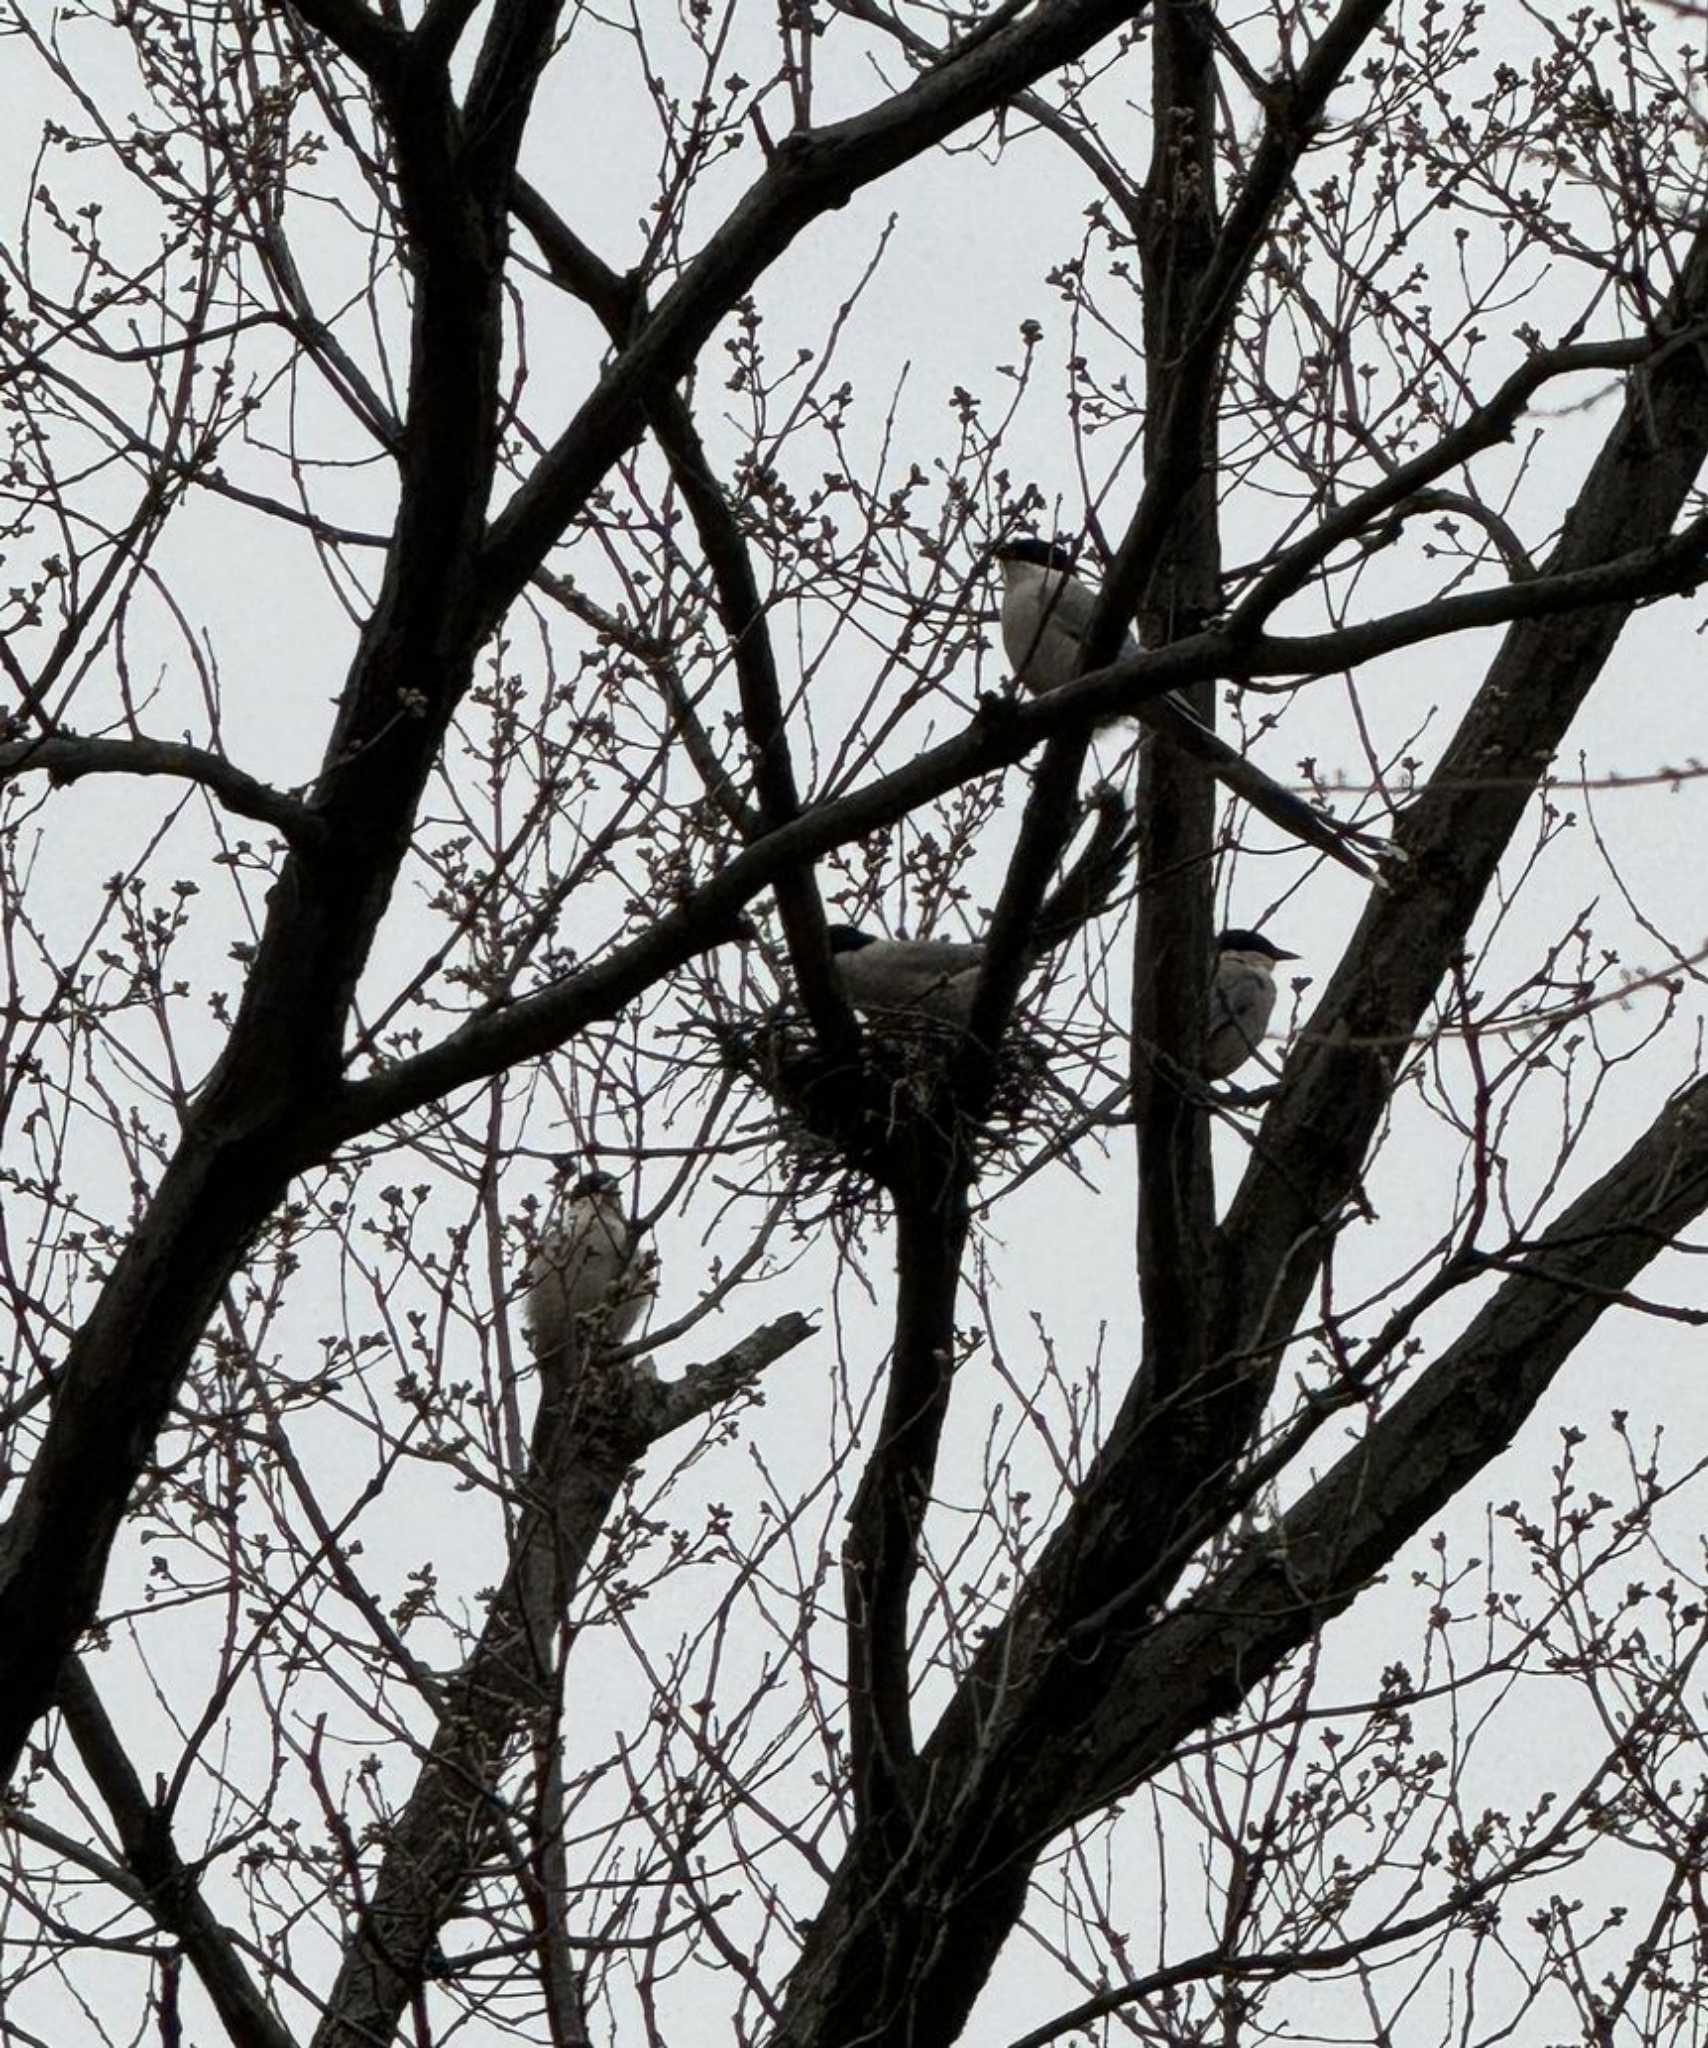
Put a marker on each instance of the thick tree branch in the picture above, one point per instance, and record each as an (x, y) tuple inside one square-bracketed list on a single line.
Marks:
[(1073, 1702), (513, 53), (590, 1428), (881, 1558), (706, 1386), (1173, 933), (1425, 1448), (1052, 811), (440, 29), (284, 1051), (1190, 297), (1034, 106), (372, 45), (1085, 890), (1451, 838)]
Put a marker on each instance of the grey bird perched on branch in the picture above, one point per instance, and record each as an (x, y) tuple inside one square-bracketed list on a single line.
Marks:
[(1242, 999), (587, 1285), (1046, 614), (929, 977)]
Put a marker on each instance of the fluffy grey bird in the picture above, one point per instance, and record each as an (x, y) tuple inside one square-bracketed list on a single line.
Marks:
[(931, 977), (1242, 999), (587, 1285), (1046, 613)]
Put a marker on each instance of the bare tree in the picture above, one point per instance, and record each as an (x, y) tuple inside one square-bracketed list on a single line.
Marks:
[(496, 507)]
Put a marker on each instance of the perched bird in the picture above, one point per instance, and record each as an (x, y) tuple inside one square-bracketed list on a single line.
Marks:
[(587, 1285), (1242, 997), (931, 977), (1046, 613)]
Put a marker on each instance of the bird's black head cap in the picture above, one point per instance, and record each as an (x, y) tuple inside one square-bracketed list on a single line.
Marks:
[(1237, 940), (1028, 548), (598, 1182), (849, 938)]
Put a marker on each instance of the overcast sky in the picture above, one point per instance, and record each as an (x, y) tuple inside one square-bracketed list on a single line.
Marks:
[(965, 266)]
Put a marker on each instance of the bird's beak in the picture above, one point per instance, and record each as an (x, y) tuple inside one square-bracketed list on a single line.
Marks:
[(1281, 953)]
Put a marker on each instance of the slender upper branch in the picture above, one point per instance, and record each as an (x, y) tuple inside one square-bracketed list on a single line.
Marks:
[(1292, 117), (1491, 423), (66, 757), (811, 172), (740, 609), (168, 1883)]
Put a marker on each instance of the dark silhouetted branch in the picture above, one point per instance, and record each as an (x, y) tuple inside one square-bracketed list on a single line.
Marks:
[(167, 1885), (590, 1428), (66, 758)]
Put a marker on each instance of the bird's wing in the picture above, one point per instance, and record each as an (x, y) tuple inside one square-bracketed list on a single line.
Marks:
[(900, 973), (1242, 999), (947, 956), (1239, 989), (1070, 604), (1074, 610)]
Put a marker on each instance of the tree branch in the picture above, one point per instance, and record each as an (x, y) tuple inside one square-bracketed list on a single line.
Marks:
[(1052, 811), (1085, 890), (590, 1428), (1173, 937), (1179, 467), (513, 53), (740, 609), (1486, 427), (67, 758), (1452, 836), (1425, 1448), (540, 1023), (812, 172), (1073, 1703), (372, 45), (881, 1557), (702, 1388), (1235, 1965), (167, 1885)]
